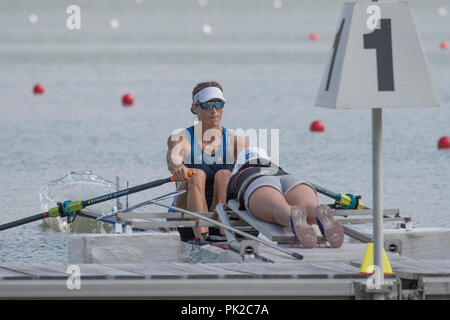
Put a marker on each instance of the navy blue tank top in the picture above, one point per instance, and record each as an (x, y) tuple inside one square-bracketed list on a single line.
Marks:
[(209, 163)]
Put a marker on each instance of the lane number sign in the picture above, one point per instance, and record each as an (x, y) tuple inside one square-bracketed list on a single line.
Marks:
[(376, 60)]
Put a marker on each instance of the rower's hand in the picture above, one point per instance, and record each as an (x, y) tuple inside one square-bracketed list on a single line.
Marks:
[(182, 174)]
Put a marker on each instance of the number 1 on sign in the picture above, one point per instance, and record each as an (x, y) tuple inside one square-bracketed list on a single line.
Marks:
[(381, 41)]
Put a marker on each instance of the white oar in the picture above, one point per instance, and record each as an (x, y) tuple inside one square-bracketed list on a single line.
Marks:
[(242, 233)]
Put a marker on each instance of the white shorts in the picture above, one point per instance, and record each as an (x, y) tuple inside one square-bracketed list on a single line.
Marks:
[(283, 183)]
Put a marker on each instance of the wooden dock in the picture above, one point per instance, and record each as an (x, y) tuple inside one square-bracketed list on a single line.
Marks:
[(325, 273)]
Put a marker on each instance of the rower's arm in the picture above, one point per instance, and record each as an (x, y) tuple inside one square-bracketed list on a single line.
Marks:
[(177, 147)]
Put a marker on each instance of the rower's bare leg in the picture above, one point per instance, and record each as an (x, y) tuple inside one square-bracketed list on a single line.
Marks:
[(182, 198), (221, 179), (304, 197), (195, 200), (269, 204)]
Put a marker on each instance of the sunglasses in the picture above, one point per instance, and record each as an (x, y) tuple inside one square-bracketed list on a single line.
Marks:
[(210, 105)]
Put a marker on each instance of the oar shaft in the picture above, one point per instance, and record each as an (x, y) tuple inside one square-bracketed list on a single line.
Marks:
[(19, 222), (324, 191), (70, 208), (106, 197), (125, 192), (356, 234), (131, 190)]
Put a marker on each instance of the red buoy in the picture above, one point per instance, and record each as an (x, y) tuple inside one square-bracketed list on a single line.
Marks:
[(127, 99), (314, 36), (39, 88), (317, 125), (444, 45), (444, 143)]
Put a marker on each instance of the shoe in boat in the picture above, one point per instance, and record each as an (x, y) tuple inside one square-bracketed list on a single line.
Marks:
[(301, 228), (333, 230)]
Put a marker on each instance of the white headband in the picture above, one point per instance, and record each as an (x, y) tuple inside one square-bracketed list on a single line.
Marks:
[(207, 94)]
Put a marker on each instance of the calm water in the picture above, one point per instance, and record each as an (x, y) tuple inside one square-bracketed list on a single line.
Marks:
[(270, 72)]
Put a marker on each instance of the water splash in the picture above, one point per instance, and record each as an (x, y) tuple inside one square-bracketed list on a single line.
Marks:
[(78, 185)]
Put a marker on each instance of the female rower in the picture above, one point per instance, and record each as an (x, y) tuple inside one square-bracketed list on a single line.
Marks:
[(208, 149)]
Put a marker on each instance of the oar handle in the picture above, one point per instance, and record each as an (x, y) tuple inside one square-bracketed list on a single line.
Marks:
[(190, 173)]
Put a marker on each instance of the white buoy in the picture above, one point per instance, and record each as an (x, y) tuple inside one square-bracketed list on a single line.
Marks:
[(277, 4), (442, 11), (207, 29), (114, 23), (33, 18)]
